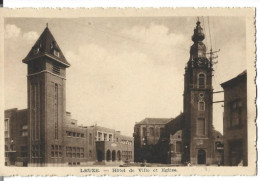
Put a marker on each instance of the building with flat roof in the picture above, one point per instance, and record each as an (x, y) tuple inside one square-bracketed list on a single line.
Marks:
[(44, 134)]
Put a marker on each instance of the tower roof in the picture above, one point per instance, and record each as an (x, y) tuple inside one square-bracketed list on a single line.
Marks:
[(198, 49), (46, 45)]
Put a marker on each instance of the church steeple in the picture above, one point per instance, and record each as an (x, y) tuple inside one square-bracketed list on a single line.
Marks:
[(197, 131), (198, 49), (46, 45)]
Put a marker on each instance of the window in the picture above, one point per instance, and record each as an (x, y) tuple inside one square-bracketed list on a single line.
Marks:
[(36, 151), (56, 53), (201, 127), (57, 151), (201, 106), (151, 131), (105, 137), (201, 80), (99, 136), (75, 152), (235, 108), (55, 107), (178, 147), (157, 132), (24, 130), (144, 131), (161, 131), (7, 128), (110, 137), (56, 69), (90, 139), (36, 50), (24, 133)]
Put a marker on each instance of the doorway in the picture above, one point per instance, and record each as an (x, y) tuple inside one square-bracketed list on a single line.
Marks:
[(100, 156), (201, 156)]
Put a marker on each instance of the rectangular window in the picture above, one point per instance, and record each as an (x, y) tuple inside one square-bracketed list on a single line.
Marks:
[(105, 137), (24, 133), (151, 131), (144, 131), (236, 111), (161, 131), (24, 127), (201, 106), (90, 139), (55, 105), (56, 53), (178, 147), (57, 151), (7, 128), (110, 137), (201, 127), (157, 132), (99, 136)]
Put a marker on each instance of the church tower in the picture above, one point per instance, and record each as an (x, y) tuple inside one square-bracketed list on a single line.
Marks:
[(46, 99), (197, 132)]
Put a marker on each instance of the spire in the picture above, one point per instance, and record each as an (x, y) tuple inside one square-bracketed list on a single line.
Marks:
[(198, 49), (46, 45)]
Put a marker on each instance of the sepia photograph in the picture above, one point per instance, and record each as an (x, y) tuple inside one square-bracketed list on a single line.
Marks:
[(128, 91)]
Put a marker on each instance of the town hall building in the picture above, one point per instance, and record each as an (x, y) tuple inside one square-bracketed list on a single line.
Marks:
[(44, 134)]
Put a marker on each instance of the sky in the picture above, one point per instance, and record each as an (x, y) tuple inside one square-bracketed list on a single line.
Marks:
[(124, 69)]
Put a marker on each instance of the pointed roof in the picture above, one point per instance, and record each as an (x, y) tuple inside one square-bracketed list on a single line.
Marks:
[(45, 46)]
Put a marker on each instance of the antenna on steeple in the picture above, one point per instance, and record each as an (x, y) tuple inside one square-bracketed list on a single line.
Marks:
[(47, 25)]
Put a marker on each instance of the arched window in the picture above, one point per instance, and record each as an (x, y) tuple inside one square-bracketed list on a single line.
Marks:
[(151, 131), (202, 80), (201, 106)]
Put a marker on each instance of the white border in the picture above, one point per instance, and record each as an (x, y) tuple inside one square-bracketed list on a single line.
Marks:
[(139, 4)]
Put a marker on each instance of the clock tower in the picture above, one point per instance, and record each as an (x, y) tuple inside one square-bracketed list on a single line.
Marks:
[(46, 81), (197, 125)]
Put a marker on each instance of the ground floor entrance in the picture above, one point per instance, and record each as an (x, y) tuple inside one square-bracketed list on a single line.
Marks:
[(201, 156)]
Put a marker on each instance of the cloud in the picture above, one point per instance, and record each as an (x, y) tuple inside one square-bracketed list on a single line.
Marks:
[(159, 42), (131, 77), (111, 86), (31, 36), (12, 31)]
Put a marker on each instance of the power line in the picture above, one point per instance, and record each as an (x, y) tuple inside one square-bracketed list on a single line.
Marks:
[(209, 35)]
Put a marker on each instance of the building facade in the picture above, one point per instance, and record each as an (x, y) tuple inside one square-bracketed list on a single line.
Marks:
[(235, 121), (198, 128), (148, 135), (190, 137), (45, 134)]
